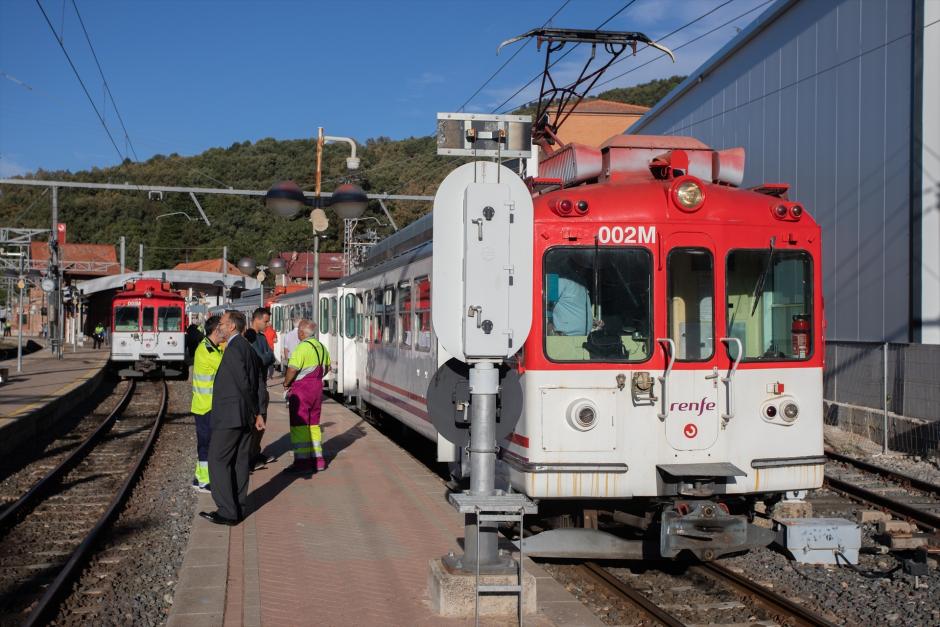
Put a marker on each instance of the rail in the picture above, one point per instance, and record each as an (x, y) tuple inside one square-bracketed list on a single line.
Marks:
[(898, 477)]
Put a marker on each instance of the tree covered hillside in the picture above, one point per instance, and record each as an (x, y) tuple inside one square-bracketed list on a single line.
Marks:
[(409, 166)]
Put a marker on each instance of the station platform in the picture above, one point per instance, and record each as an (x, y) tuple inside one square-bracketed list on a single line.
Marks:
[(46, 388), (347, 546)]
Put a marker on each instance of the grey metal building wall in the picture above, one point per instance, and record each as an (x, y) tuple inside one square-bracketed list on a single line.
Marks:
[(819, 94)]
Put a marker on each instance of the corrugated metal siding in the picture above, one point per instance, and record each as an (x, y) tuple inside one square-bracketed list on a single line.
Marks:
[(820, 99)]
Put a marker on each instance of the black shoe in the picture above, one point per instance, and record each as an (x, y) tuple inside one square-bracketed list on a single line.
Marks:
[(215, 517), (268, 459)]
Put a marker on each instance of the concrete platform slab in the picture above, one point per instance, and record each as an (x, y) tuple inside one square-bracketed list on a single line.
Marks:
[(350, 545)]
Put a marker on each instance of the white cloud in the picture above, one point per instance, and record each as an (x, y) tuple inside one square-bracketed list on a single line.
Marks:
[(9, 167)]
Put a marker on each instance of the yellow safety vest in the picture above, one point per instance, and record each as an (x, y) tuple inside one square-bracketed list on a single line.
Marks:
[(205, 364)]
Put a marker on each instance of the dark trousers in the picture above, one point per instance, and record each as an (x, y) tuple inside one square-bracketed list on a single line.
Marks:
[(229, 465), (203, 433), (255, 434)]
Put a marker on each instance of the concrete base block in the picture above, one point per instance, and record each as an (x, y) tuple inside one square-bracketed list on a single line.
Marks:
[(792, 509), (453, 594), (872, 516)]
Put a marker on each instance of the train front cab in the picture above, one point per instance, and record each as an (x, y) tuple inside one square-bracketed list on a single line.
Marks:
[(674, 361), (147, 337)]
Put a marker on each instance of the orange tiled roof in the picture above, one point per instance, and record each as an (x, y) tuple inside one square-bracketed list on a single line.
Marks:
[(209, 265), (75, 252)]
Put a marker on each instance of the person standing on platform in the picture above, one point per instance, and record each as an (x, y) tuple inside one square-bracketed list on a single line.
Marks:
[(236, 409), (289, 342), (261, 320), (98, 335), (206, 359), (271, 336), (307, 366)]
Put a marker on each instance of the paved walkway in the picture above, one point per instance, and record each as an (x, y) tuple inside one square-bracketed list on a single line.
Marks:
[(348, 546), (45, 379)]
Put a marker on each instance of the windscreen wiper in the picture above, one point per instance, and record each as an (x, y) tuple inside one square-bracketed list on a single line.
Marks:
[(759, 288)]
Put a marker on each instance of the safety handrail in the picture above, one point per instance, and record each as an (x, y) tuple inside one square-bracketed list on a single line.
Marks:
[(728, 381), (670, 361)]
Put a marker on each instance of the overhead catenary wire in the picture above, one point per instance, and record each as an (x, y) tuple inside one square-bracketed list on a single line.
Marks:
[(105, 81), (80, 81), (691, 41), (559, 59), (509, 60)]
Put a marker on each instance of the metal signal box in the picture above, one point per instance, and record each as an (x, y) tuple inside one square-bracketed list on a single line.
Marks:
[(482, 265)]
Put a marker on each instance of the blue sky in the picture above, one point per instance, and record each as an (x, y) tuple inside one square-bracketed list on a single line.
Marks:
[(192, 74)]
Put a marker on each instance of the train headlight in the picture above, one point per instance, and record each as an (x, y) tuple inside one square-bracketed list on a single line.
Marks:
[(790, 411), (688, 194), (582, 415)]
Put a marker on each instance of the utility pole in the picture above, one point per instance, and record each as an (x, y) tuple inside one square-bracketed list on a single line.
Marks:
[(122, 254), (224, 273), (19, 322), (140, 260), (55, 318)]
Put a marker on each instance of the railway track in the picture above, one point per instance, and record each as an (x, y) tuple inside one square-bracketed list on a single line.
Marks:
[(703, 594), (49, 532), (903, 496)]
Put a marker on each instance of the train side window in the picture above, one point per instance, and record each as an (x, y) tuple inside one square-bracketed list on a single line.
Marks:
[(169, 319), (126, 319), (691, 308), (389, 299), (334, 327), (597, 304), (324, 315), (770, 297), (349, 315), (379, 319), (360, 318), (422, 314), (370, 314), (148, 323), (404, 312)]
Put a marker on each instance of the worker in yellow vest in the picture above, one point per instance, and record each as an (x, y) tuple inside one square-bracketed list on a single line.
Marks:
[(206, 360)]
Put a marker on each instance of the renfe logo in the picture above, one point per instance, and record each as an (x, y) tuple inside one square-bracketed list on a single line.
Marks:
[(690, 431), (697, 406)]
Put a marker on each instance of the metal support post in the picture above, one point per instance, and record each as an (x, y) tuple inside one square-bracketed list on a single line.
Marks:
[(884, 444), (140, 259), (55, 317), (480, 551), (316, 278), (123, 243), (19, 322), (224, 274)]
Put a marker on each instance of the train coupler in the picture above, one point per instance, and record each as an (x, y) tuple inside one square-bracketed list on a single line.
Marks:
[(708, 531)]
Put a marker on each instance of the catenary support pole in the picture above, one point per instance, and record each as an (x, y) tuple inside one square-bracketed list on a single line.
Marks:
[(19, 321), (123, 253), (140, 259), (884, 398), (55, 317)]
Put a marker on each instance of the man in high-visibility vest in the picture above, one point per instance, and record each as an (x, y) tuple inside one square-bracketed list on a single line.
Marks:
[(206, 360), (98, 335), (307, 366)]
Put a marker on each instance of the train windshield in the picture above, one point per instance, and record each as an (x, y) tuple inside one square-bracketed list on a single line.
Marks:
[(597, 304), (770, 303), (126, 319), (170, 319)]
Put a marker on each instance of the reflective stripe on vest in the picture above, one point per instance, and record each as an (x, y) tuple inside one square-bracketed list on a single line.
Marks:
[(205, 364)]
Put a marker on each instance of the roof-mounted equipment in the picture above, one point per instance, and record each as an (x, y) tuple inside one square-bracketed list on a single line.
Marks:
[(555, 101)]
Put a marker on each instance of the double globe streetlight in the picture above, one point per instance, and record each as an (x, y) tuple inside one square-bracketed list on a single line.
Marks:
[(286, 200)]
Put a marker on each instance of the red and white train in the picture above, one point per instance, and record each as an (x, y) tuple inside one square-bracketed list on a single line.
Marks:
[(673, 374), (148, 322)]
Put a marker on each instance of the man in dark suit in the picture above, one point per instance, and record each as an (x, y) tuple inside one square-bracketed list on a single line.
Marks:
[(236, 409)]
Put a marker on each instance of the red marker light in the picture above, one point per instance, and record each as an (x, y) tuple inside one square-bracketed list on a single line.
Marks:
[(780, 211), (565, 207), (796, 211)]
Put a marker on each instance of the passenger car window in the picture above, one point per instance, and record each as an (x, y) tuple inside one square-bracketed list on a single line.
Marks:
[(597, 304), (349, 315), (770, 303), (404, 312), (389, 301), (324, 316), (422, 309), (334, 326)]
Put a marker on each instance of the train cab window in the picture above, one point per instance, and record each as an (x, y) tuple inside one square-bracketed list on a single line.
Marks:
[(169, 319), (597, 304), (324, 316), (770, 295), (147, 321), (334, 327), (126, 319), (422, 317), (378, 321), (389, 300), (349, 315), (691, 306), (404, 312)]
